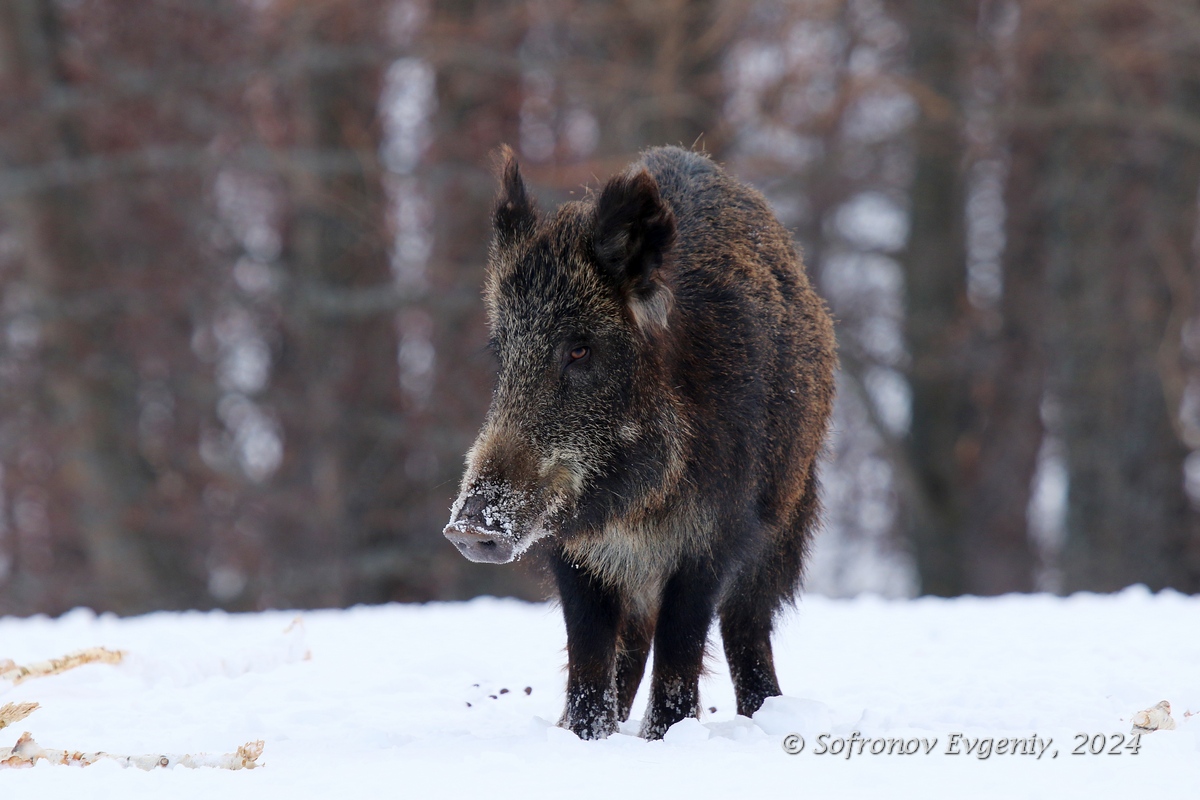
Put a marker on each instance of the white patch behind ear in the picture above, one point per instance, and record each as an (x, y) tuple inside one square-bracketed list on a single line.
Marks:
[(651, 311)]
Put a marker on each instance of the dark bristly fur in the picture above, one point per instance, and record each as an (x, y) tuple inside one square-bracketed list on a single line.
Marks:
[(665, 387)]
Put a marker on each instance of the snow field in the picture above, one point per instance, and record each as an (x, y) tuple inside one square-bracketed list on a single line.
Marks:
[(373, 702)]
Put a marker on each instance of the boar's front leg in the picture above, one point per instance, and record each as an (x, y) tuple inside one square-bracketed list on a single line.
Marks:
[(592, 612), (688, 602)]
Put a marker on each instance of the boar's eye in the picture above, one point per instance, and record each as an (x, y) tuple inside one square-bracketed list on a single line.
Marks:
[(579, 355)]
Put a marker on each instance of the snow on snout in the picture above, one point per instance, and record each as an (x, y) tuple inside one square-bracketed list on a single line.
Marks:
[(504, 511), (501, 508)]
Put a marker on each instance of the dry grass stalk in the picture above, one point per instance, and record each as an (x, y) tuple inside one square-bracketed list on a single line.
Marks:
[(15, 674), (15, 712), (27, 752)]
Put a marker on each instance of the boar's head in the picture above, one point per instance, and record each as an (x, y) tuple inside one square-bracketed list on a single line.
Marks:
[(582, 427)]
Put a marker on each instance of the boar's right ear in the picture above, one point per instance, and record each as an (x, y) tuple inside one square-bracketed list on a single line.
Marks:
[(634, 231), (514, 215)]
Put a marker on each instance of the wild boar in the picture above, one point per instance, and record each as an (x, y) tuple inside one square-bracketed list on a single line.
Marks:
[(665, 381)]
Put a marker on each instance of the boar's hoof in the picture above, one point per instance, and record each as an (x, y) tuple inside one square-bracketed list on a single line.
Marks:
[(480, 546)]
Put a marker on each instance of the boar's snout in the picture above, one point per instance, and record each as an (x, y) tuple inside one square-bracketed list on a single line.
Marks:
[(480, 546), (473, 537)]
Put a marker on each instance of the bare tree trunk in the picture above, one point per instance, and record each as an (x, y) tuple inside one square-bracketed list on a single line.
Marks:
[(976, 390), (1009, 382), (938, 327), (335, 385), (90, 381), (1008, 392)]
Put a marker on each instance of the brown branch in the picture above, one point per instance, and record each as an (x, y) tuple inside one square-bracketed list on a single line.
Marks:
[(18, 181), (1181, 127), (893, 446)]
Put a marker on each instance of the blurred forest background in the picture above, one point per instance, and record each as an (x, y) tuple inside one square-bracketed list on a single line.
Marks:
[(242, 242)]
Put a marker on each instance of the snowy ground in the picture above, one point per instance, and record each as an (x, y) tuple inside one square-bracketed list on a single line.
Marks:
[(408, 701)]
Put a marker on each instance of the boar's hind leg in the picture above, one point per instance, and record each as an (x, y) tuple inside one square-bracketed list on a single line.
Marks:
[(688, 602), (748, 610), (632, 652), (746, 633), (592, 612)]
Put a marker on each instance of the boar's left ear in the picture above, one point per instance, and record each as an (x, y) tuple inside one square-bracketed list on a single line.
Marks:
[(634, 230), (514, 215)]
